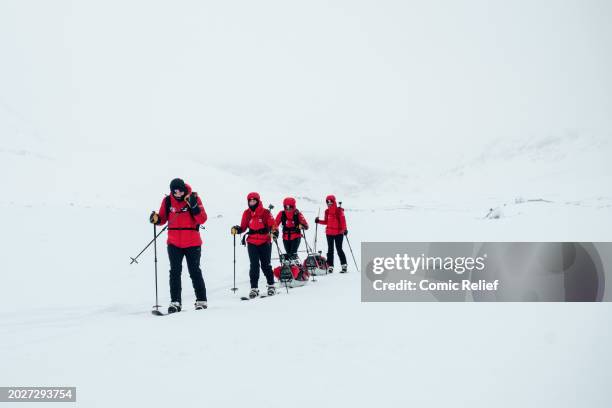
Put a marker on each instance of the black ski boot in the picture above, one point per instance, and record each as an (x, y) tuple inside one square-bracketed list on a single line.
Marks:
[(344, 269), (271, 290), (200, 304), (253, 293), (174, 307), (330, 269)]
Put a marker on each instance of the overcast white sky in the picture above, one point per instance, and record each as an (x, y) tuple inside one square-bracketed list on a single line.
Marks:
[(251, 76)]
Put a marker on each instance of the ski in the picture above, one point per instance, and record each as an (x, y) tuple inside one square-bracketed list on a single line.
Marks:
[(248, 298), (160, 313)]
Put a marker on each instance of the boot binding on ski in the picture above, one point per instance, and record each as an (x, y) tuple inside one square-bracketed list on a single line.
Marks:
[(253, 293), (174, 307)]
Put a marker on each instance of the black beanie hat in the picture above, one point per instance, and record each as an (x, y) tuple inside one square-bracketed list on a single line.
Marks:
[(177, 184)]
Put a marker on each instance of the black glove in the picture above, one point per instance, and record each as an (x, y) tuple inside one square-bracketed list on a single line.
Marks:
[(192, 200), (317, 220), (275, 234), (345, 232), (154, 218), (236, 230)]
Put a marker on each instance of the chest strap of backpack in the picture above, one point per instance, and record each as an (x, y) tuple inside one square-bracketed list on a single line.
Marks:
[(254, 231), (196, 228), (265, 230)]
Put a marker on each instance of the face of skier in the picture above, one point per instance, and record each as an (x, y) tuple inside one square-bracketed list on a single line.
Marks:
[(178, 194), (330, 203), (253, 203), (288, 207)]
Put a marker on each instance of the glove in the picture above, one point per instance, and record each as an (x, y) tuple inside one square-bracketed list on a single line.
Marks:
[(236, 230), (192, 203), (192, 200), (317, 220), (154, 218), (275, 234), (345, 232), (300, 227)]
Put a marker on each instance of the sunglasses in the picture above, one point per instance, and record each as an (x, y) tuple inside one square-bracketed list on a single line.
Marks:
[(330, 202), (178, 192), (288, 207)]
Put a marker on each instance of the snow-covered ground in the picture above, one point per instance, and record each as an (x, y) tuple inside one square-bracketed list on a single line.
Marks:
[(75, 312), (422, 119)]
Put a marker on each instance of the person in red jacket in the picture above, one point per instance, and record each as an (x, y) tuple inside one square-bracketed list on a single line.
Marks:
[(184, 213), (335, 231), (260, 224), (293, 222)]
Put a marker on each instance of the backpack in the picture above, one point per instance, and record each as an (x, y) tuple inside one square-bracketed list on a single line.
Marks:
[(296, 222)]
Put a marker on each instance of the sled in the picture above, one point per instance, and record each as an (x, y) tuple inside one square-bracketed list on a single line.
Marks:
[(315, 264), (291, 274)]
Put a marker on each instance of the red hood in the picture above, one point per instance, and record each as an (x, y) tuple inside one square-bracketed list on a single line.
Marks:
[(255, 196), (289, 201), (333, 200)]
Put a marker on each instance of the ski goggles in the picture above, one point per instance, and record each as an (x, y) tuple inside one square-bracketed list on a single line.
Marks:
[(178, 192)]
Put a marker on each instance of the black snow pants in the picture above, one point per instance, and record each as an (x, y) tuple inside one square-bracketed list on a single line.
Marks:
[(337, 239), (260, 255), (192, 254), (291, 247)]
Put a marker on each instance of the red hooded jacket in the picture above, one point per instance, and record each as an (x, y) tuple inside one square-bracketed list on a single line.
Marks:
[(180, 217), (290, 231), (259, 220), (334, 218)]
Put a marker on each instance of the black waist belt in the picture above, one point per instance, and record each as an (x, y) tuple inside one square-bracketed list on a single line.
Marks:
[(292, 229), (259, 231)]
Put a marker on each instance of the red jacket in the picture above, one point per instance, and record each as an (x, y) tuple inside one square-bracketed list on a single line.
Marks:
[(260, 219), (290, 231), (334, 218), (181, 217)]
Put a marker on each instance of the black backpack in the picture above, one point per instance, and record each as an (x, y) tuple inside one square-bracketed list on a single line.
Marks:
[(296, 222)]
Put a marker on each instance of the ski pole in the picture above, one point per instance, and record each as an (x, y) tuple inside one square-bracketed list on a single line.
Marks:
[(280, 258), (309, 253), (317, 230), (156, 311), (234, 288), (305, 241), (349, 243), (277, 248), (134, 260), (353, 255)]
